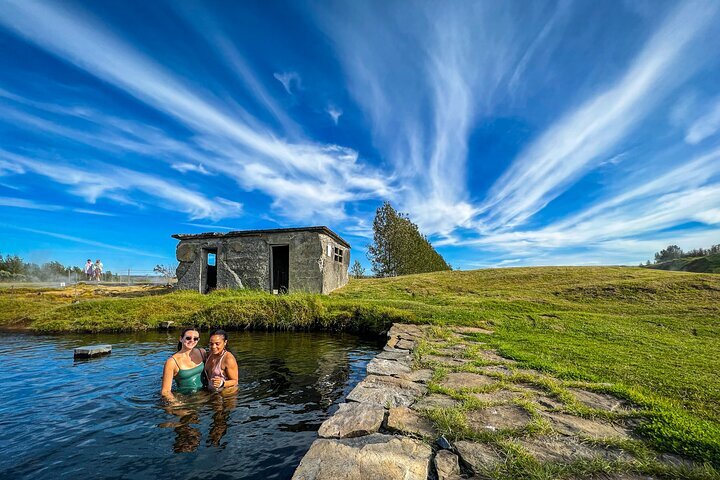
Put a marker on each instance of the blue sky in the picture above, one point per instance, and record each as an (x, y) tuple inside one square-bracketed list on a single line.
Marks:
[(514, 133)]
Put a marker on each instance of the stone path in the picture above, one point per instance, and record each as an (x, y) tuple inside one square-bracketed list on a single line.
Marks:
[(431, 384)]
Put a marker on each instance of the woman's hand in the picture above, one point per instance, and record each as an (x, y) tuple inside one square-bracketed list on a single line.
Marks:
[(217, 382)]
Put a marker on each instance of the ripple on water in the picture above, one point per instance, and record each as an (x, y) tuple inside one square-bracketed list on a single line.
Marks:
[(67, 418)]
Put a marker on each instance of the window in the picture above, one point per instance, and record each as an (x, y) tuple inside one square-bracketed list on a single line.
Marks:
[(338, 257), (211, 259)]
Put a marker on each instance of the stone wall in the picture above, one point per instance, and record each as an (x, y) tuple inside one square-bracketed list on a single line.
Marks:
[(245, 262)]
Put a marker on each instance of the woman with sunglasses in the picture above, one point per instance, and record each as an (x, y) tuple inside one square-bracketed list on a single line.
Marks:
[(185, 366)]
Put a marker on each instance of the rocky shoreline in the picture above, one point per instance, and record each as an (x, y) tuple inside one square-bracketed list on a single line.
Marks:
[(432, 382)]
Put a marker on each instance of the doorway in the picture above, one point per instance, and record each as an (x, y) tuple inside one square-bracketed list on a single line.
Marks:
[(210, 270), (280, 268)]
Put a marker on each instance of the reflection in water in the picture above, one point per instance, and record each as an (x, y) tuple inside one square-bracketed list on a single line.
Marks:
[(65, 418)]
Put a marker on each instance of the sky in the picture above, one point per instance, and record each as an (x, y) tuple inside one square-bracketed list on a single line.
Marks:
[(513, 133)]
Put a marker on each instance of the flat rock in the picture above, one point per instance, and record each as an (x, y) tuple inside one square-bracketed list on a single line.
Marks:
[(459, 380), (404, 344), (498, 396), (549, 403), (501, 369), (435, 400), (498, 418), (395, 355), (447, 465), (353, 420), (382, 366), (386, 391), (446, 361), (572, 425), (404, 330), (479, 456), (567, 449), (599, 401), (473, 330), (490, 356), (373, 456), (92, 350), (404, 420), (423, 375)]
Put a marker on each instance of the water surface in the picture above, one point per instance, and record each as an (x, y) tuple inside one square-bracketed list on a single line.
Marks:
[(103, 418)]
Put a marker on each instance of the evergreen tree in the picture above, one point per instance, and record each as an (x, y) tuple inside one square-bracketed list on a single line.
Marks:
[(399, 248), (357, 270)]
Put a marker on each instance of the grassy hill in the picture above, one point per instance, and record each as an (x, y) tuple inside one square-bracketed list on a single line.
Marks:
[(706, 264), (653, 334)]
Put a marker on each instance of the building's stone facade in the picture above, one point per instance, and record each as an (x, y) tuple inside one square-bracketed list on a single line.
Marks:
[(244, 259)]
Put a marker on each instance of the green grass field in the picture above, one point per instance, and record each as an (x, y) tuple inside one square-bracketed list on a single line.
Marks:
[(655, 335)]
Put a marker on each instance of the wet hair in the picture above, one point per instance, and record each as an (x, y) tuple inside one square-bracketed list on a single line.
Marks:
[(185, 330), (220, 331)]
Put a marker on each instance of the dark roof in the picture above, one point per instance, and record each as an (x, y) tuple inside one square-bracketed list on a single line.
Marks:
[(252, 233)]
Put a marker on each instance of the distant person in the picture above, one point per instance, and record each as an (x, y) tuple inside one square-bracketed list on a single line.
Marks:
[(185, 366), (97, 269), (221, 368), (88, 269)]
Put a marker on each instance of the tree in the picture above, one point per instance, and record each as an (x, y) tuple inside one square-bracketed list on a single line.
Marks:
[(357, 270), (672, 252), (399, 248), (167, 271)]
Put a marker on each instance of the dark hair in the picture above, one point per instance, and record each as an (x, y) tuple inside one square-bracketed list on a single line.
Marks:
[(219, 331), (185, 330)]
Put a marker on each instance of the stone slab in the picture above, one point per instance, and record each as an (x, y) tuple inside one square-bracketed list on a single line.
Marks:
[(405, 420), (568, 449), (372, 457), (404, 344), (446, 361), (599, 401), (435, 400), (353, 420), (382, 366), (447, 465), (395, 355), (92, 350), (423, 375), (498, 396), (478, 456), (566, 424), (387, 391), (498, 418), (460, 380)]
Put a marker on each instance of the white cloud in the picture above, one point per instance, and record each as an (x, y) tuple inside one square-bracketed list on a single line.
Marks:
[(228, 138), (24, 203), (93, 212), (705, 126), (288, 80), (115, 182), (584, 136), (334, 113), (190, 167)]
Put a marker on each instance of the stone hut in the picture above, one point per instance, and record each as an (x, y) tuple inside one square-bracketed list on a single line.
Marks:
[(309, 259)]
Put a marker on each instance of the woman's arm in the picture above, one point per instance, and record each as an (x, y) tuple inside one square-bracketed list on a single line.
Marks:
[(167, 378), (231, 371)]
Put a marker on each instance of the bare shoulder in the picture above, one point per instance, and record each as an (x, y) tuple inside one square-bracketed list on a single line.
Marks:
[(230, 358)]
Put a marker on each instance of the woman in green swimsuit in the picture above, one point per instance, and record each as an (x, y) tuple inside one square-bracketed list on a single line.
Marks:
[(185, 366)]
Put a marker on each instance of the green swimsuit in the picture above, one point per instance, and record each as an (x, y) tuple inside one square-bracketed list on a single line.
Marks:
[(189, 380)]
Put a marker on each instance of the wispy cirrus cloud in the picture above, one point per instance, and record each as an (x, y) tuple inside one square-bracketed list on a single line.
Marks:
[(705, 126), (25, 203), (289, 80), (580, 139), (234, 140), (113, 182)]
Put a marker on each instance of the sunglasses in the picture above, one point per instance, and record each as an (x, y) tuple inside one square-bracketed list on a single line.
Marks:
[(192, 339)]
